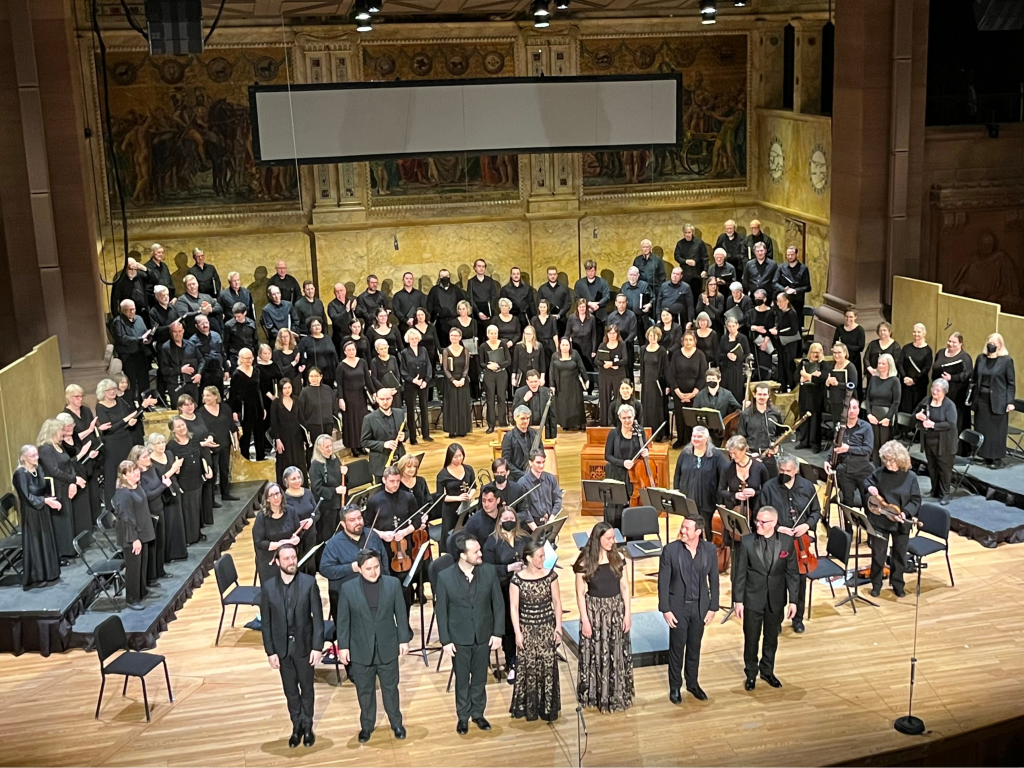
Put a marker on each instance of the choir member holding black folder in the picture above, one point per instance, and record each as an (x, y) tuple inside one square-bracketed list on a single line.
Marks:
[(955, 366), (840, 374), (936, 416), (812, 397), (496, 362), (135, 532), (40, 561)]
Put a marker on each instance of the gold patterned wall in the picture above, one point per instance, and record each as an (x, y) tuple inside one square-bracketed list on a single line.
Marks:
[(796, 159)]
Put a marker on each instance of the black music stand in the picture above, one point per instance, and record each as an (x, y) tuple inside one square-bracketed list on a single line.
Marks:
[(671, 503), (607, 493), (548, 532), (735, 526), (862, 523), (708, 418), (424, 649), (359, 498)]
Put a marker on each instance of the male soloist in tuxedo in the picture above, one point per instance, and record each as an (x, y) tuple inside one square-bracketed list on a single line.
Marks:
[(293, 637), (470, 621), (373, 632), (765, 589), (688, 599)]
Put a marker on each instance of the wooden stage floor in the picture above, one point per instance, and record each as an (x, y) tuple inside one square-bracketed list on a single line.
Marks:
[(845, 679)]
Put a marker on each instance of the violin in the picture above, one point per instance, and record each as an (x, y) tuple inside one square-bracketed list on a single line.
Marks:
[(806, 560), (879, 506), (401, 561)]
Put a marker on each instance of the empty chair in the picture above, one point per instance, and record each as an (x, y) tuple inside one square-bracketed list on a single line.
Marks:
[(107, 572), (10, 537), (637, 524), (833, 564), (105, 523), (110, 638), (962, 464), (933, 536), (227, 579)]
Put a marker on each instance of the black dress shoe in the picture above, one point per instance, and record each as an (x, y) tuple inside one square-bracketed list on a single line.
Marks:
[(750, 683), (399, 732), (228, 497), (217, 505), (876, 591), (678, 444), (308, 738), (772, 680), (364, 736), (482, 724), (296, 737), (462, 728), (798, 627), (428, 439), (674, 696), (202, 537), (698, 693), (899, 591), (489, 430)]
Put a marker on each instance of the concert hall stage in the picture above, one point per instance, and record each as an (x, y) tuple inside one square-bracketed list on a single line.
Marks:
[(53, 619), (648, 637)]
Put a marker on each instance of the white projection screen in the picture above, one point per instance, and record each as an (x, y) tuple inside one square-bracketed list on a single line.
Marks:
[(346, 122)]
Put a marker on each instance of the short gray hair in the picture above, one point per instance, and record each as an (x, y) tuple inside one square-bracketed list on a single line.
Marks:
[(941, 384), (521, 409), (787, 460), (736, 286), (626, 409)]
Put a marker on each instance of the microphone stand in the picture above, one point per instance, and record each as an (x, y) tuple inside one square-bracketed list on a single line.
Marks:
[(581, 721), (910, 725)]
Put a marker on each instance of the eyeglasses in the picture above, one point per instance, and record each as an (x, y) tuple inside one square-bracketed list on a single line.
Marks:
[(761, 522), (274, 493)]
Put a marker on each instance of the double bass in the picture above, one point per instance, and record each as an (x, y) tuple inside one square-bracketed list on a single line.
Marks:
[(642, 474), (833, 457)]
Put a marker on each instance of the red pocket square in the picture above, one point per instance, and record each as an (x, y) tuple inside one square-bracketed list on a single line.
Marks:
[(784, 553)]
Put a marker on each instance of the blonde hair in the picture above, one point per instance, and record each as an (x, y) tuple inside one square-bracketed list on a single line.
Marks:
[(736, 443), (280, 335), (815, 347), (998, 339), (892, 364), (103, 386), (409, 334), (71, 390), (464, 305), (136, 452), (840, 347), (212, 391), (406, 460), (64, 419), (317, 456), (895, 451), (48, 432), (653, 333)]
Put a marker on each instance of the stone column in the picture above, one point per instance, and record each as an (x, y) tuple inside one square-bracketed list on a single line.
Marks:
[(877, 116)]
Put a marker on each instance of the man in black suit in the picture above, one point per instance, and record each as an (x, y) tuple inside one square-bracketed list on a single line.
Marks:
[(470, 621), (688, 599), (536, 397), (373, 632), (293, 637), (796, 499), (517, 443), (380, 434), (764, 589)]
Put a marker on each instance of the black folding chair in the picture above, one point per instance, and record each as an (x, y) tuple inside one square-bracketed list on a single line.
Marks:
[(935, 524), (105, 523), (227, 579), (110, 638), (358, 474), (10, 537), (962, 464), (1016, 434), (106, 572), (637, 524), (906, 429), (833, 564)]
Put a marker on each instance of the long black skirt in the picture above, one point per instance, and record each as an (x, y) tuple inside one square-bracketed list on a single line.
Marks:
[(40, 559), (192, 512), (175, 544), (457, 410), (994, 427)]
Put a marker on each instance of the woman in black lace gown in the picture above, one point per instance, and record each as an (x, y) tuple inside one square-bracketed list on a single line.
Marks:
[(536, 610), (40, 561)]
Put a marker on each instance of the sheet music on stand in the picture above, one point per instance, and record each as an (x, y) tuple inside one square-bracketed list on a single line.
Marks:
[(670, 502), (548, 533)]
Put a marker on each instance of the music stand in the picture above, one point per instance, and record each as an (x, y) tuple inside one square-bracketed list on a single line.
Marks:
[(861, 521), (424, 649), (669, 502), (735, 526), (607, 493), (548, 532), (359, 498), (708, 418)]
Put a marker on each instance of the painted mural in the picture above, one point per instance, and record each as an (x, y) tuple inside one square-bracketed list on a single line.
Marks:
[(713, 150), (443, 178), (181, 130)]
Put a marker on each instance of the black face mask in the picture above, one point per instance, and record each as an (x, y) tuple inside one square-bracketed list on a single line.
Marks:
[(760, 302), (991, 348), (712, 384), (508, 525), (500, 479), (786, 478), (444, 282)]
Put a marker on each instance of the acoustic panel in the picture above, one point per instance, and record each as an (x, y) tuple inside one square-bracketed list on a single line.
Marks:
[(346, 122)]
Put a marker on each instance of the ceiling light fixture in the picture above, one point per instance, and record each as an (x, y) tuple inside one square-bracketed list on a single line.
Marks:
[(364, 26), (541, 8), (374, 6), (739, 3), (361, 10), (562, 5), (708, 11)]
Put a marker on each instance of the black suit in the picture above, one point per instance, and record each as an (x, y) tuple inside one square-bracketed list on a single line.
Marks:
[(292, 635), (790, 503), (764, 589), (678, 569), (515, 449), (469, 614), (378, 428), (372, 638)]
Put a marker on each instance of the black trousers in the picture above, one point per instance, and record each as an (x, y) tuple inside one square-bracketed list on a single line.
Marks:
[(758, 624), (495, 391), (471, 670), (222, 468), (508, 640), (882, 435), (365, 677), (683, 432), (898, 563), (135, 567), (801, 598), (787, 365), (851, 482), (940, 469), (684, 641), (136, 367), (155, 557), (253, 428), (297, 679), (413, 396)]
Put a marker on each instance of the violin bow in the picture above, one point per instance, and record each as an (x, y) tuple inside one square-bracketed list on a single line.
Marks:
[(654, 434)]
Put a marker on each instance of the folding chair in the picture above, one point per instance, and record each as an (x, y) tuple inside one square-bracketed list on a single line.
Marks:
[(110, 638), (906, 429), (935, 523), (637, 524), (808, 332), (1016, 434), (962, 464), (106, 572), (833, 564), (104, 523), (227, 578), (10, 537)]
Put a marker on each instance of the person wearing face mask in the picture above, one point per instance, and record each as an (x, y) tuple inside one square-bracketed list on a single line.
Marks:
[(715, 396), (995, 389), (443, 302), (760, 320), (954, 366), (507, 489), (796, 500)]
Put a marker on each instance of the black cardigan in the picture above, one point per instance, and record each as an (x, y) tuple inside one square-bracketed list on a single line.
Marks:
[(943, 436)]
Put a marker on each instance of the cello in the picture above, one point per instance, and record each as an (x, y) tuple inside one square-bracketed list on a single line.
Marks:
[(833, 457), (641, 474)]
